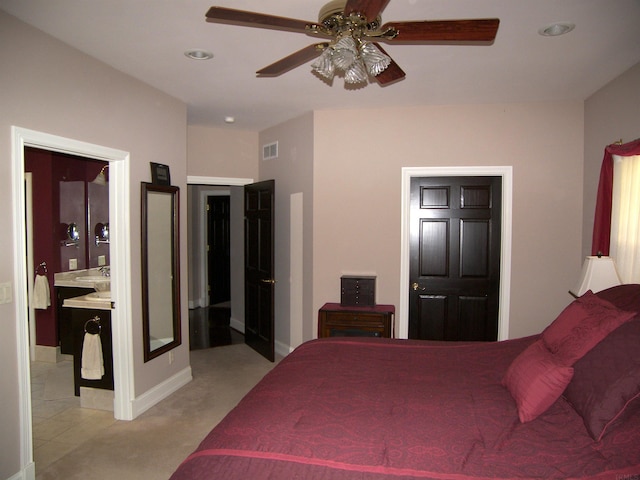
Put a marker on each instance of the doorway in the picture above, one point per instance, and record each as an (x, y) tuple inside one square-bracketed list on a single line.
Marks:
[(120, 261), (197, 259), (211, 325), (218, 249), (506, 175)]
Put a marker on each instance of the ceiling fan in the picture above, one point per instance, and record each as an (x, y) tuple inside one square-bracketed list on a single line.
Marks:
[(354, 28)]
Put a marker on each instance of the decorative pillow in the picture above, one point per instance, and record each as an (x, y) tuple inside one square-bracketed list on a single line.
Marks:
[(581, 326), (606, 381), (625, 297), (536, 381)]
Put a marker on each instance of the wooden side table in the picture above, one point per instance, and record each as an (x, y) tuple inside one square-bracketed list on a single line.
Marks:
[(335, 320)]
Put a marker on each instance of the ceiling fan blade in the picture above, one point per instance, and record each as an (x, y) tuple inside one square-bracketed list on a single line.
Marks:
[(391, 74), (480, 30), (294, 60), (370, 9), (253, 19)]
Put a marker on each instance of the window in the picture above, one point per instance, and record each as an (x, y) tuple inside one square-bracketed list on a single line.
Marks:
[(625, 217)]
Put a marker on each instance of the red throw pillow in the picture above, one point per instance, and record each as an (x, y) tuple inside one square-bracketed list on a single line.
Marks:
[(536, 380), (581, 326)]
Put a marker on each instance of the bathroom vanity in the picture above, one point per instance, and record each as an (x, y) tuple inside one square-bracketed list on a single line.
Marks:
[(75, 284), (84, 302)]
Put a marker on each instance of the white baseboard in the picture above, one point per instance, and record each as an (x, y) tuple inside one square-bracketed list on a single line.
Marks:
[(236, 325), (197, 303), (282, 349), (27, 473), (48, 354), (161, 391)]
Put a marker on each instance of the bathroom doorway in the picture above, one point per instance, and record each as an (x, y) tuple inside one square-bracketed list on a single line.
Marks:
[(67, 208), (120, 261)]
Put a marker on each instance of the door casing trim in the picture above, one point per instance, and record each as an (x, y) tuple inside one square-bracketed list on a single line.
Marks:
[(506, 172), (120, 263)]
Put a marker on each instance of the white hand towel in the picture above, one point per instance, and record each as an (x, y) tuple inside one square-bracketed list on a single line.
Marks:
[(92, 362), (41, 297)]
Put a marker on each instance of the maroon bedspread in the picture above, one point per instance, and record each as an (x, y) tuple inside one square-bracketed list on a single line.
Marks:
[(375, 408)]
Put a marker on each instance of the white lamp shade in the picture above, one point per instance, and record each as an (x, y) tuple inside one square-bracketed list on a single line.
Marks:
[(598, 273)]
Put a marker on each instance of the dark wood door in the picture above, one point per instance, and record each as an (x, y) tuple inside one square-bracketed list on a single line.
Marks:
[(259, 271), (218, 249), (455, 258)]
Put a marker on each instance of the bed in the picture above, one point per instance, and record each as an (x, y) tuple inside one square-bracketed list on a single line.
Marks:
[(371, 409)]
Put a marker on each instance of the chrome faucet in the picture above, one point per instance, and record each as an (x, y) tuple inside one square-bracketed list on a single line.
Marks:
[(106, 271)]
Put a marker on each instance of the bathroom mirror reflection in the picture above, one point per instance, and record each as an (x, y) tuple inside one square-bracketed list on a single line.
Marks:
[(160, 269)]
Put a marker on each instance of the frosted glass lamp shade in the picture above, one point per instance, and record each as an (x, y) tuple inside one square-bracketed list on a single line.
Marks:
[(101, 178), (598, 273), (355, 59)]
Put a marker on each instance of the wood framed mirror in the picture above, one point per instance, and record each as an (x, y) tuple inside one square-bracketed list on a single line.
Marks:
[(161, 321)]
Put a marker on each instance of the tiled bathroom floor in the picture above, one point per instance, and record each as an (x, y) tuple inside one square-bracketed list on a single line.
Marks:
[(59, 424)]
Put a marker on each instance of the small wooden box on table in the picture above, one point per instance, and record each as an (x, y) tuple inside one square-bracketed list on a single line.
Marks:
[(336, 320)]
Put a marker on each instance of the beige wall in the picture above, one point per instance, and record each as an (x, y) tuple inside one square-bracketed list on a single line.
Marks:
[(51, 88), (357, 188), (611, 114), (219, 152), (293, 173)]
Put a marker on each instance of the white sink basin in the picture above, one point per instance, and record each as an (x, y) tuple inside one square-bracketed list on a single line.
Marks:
[(99, 295), (93, 278)]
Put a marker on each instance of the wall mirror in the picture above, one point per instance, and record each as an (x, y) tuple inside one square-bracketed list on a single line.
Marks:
[(160, 269)]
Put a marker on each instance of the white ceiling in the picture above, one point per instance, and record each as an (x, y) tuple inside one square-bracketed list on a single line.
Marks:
[(147, 39)]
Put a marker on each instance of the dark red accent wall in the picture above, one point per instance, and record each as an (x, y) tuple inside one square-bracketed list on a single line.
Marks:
[(48, 169), (39, 163)]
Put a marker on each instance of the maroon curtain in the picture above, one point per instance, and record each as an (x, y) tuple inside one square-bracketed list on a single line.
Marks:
[(602, 221)]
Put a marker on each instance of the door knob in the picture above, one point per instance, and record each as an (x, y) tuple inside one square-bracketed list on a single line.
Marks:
[(268, 280), (416, 287)]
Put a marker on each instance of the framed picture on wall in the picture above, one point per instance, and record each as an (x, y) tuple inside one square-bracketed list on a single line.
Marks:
[(160, 174)]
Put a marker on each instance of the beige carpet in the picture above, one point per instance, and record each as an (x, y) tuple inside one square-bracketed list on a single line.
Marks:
[(153, 445)]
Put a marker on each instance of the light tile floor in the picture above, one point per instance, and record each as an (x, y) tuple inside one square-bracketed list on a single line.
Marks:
[(59, 424)]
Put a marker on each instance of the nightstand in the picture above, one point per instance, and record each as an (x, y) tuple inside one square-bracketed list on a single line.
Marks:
[(335, 320)]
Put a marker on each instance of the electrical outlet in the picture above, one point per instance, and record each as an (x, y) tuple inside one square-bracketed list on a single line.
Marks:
[(102, 260), (73, 264), (6, 294)]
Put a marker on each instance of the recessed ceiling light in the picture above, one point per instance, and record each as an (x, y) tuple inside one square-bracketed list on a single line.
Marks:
[(198, 54), (229, 119), (555, 29)]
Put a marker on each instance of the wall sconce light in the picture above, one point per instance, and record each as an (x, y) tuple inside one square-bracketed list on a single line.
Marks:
[(102, 233), (598, 273), (72, 234), (101, 178)]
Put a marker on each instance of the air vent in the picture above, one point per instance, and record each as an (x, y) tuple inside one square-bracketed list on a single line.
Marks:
[(270, 151)]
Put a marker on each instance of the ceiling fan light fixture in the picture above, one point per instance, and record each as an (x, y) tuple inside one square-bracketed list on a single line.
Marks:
[(355, 58), (345, 52), (323, 66), (356, 73), (375, 61)]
